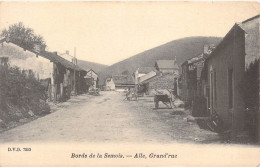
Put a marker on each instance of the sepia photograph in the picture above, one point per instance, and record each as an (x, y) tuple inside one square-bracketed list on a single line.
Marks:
[(129, 83)]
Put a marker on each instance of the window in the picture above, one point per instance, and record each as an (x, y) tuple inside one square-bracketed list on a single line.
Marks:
[(230, 88)]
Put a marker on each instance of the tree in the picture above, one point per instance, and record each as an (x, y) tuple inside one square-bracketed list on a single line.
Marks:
[(23, 36)]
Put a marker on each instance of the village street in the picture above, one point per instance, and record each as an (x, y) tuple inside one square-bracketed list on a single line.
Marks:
[(110, 118)]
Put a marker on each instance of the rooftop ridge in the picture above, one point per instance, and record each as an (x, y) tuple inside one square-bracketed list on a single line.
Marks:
[(252, 18)]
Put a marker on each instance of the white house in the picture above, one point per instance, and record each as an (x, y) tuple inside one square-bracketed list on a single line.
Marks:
[(26, 60)]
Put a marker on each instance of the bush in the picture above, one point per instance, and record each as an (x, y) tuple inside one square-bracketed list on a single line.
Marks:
[(20, 93)]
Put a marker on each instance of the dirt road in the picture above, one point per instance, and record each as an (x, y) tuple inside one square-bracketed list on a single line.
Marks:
[(109, 118)]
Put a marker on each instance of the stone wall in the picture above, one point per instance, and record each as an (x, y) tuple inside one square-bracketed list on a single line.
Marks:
[(160, 83)]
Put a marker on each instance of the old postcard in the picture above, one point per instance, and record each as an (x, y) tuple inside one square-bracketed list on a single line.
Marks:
[(129, 84)]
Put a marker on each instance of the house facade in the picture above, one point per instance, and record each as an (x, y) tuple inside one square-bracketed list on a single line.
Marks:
[(224, 79), (230, 80)]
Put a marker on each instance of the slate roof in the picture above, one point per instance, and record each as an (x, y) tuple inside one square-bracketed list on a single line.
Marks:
[(170, 64)]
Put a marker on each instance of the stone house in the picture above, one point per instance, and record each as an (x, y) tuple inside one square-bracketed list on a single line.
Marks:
[(231, 84), (159, 82)]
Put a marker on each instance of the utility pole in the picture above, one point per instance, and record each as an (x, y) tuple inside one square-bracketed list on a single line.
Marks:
[(74, 62)]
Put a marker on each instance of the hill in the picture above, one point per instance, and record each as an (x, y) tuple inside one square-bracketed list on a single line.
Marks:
[(183, 49), (86, 65)]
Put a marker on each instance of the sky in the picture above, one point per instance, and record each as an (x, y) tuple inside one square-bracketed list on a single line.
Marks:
[(108, 32)]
